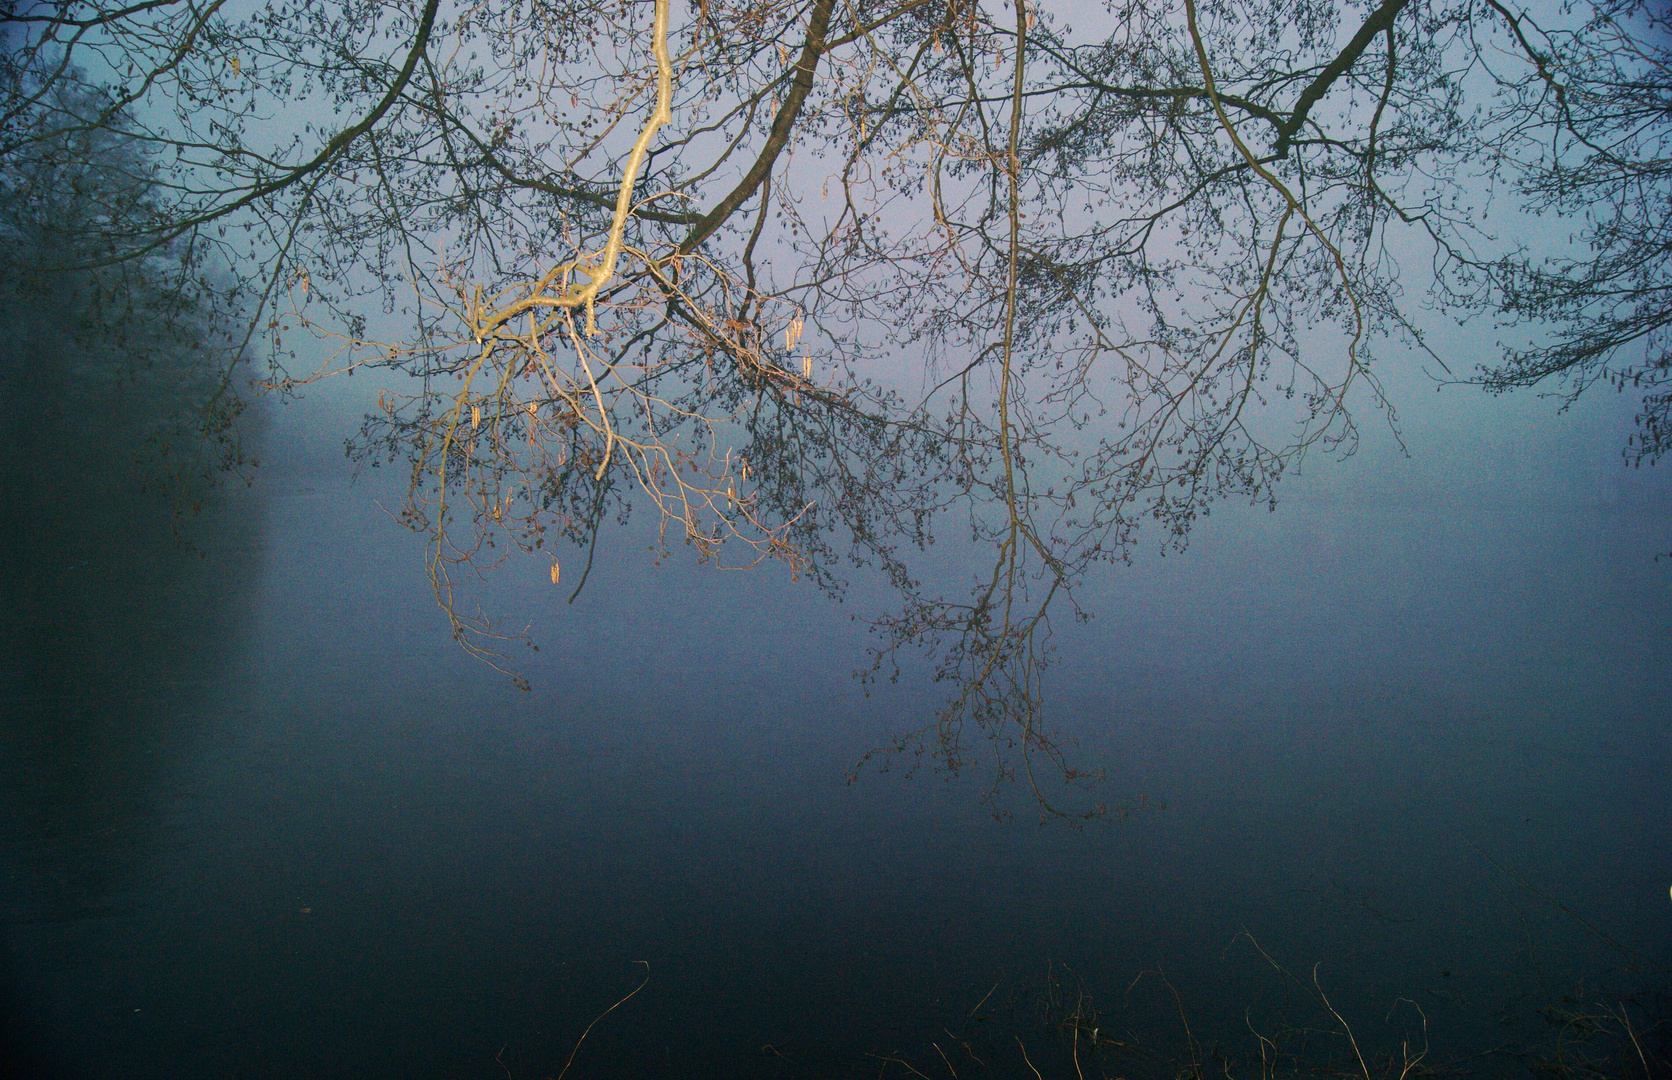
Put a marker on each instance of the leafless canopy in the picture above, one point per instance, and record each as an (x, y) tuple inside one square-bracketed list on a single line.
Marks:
[(816, 278)]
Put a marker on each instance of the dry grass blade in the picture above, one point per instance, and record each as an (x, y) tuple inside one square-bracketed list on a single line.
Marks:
[(576, 1049)]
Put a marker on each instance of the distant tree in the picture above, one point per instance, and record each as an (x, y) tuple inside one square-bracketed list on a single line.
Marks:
[(120, 419), (816, 280), (122, 362)]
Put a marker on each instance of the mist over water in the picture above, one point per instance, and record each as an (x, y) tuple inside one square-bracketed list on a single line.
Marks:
[(262, 818)]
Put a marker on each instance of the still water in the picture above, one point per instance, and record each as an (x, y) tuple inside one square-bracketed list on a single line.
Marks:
[(261, 817)]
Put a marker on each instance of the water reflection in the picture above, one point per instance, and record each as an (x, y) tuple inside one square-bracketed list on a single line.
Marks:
[(128, 581), (367, 855)]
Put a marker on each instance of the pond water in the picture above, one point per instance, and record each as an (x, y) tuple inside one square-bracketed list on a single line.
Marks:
[(1409, 734)]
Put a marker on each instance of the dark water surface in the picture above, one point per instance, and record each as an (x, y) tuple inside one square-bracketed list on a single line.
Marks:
[(261, 817)]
